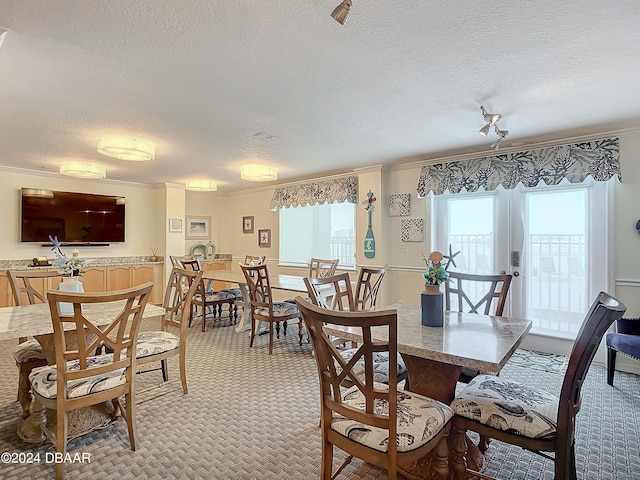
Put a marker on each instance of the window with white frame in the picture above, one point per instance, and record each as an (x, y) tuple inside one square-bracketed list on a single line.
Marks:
[(325, 231)]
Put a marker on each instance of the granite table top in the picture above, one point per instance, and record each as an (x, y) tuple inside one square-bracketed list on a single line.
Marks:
[(479, 342), (31, 320)]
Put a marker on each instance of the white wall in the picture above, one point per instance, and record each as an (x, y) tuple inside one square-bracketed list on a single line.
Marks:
[(141, 217)]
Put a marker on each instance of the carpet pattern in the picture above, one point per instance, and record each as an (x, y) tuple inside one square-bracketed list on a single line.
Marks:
[(249, 415)]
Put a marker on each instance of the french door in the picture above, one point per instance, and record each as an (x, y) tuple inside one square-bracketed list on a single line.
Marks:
[(553, 240)]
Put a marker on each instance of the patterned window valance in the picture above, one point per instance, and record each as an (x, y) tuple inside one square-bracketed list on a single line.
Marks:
[(598, 158), (330, 191)]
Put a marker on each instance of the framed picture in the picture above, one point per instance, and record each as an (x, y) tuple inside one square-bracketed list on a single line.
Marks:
[(264, 237), (247, 224), (175, 224), (412, 229), (399, 205), (198, 228)]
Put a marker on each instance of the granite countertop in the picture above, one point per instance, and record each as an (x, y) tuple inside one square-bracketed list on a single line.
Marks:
[(91, 262)]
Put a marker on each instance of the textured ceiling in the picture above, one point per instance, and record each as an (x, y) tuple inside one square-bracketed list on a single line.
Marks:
[(210, 81)]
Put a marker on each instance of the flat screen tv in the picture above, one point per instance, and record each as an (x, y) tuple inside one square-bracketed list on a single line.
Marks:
[(80, 218)]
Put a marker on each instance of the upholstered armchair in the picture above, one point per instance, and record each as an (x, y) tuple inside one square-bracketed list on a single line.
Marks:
[(625, 340)]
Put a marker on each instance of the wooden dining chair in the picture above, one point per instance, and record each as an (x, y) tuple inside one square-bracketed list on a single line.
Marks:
[(171, 339), (369, 281), (476, 293), (263, 306), (236, 291), (518, 414), (482, 294), (79, 378), (206, 299), (335, 293), (26, 286), (377, 423), (320, 268)]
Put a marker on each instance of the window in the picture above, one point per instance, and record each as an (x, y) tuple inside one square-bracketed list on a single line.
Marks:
[(553, 239), (320, 231)]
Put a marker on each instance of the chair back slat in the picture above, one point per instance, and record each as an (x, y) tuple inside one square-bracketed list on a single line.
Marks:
[(604, 311), (119, 333), (333, 293), (181, 288), (320, 268), (369, 281), (333, 369), (24, 291), (190, 264), (256, 259), (492, 287), (257, 278)]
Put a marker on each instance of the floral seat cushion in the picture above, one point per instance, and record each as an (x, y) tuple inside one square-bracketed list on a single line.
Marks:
[(152, 343), (419, 420), (380, 365), (28, 351), (215, 296), (509, 406), (44, 379), (280, 309), (236, 292)]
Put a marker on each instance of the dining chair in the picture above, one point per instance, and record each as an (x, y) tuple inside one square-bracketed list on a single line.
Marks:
[(518, 414), (28, 354), (320, 268), (369, 281), (263, 306), (206, 298), (476, 293), (336, 293), (79, 378), (375, 422), (236, 291), (625, 340), (483, 294), (159, 345)]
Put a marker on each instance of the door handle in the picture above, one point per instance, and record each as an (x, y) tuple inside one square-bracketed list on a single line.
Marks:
[(516, 273), (503, 272)]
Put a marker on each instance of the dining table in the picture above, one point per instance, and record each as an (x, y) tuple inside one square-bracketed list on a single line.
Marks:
[(35, 321), (290, 283), (435, 356)]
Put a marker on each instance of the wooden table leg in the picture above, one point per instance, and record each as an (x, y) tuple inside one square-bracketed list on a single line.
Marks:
[(437, 380)]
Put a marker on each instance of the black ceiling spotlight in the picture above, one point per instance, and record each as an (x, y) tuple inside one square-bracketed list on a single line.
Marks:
[(341, 12)]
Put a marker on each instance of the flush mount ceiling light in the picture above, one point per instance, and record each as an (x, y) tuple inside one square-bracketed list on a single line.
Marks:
[(258, 173), (127, 148), (202, 185), (492, 119), (83, 169), (341, 12)]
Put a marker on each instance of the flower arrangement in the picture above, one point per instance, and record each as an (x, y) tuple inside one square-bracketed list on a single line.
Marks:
[(436, 273), (67, 267)]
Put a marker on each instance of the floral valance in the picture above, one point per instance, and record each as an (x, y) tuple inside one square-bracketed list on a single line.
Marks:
[(333, 190), (598, 158)]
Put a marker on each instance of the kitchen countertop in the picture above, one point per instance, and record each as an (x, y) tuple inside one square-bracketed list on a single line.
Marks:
[(91, 262)]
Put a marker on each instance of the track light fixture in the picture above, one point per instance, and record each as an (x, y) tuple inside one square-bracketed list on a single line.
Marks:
[(341, 12), (492, 119)]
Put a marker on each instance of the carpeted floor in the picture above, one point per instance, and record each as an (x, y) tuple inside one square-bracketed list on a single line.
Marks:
[(249, 415)]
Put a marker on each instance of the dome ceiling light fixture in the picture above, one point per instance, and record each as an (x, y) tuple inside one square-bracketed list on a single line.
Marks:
[(127, 148), (258, 173), (74, 168), (341, 12), (492, 119), (202, 185)]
